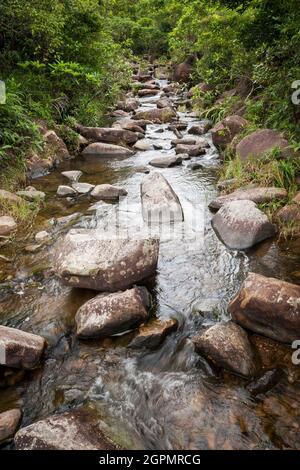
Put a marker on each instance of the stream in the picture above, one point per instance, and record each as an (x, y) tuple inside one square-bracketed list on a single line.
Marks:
[(170, 398)]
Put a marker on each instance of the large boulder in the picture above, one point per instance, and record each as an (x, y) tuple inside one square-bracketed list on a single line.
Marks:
[(257, 195), (105, 192), (290, 214), (166, 162), (156, 115), (152, 334), (9, 421), (182, 72), (160, 204), (72, 430), (100, 149), (241, 225), (111, 314), (7, 225), (107, 265), (19, 349), (260, 143), (110, 135), (225, 130), (268, 306), (227, 345)]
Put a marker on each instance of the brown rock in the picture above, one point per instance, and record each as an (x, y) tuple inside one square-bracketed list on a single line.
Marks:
[(260, 143), (99, 149), (152, 334), (224, 132), (191, 150), (257, 195), (56, 145), (111, 314), (9, 421), (7, 225), (228, 346), (110, 135), (19, 349), (268, 306), (148, 92), (108, 192), (155, 114), (166, 162), (290, 214)]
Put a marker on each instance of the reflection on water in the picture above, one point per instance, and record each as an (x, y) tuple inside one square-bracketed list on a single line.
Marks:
[(169, 398)]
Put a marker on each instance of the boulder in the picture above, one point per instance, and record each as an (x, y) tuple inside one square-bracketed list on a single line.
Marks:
[(156, 115), (19, 349), (9, 197), (163, 103), (111, 314), (73, 176), (160, 204), (268, 306), (143, 145), (257, 195), (227, 345), (128, 105), (184, 141), (166, 162), (265, 382), (260, 143), (129, 125), (200, 129), (107, 265), (180, 126), (9, 421), (42, 237), (191, 150), (83, 188), (148, 92), (290, 214), (7, 225), (182, 72), (108, 192), (241, 225), (64, 191), (100, 149), (152, 334), (32, 194), (73, 430), (224, 132), (109, 135), (55, 145)]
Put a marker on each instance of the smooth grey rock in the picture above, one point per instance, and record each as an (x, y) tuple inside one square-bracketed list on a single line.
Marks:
[(65, 191), (108, 192), (166, 162), (83, 188), (72, 176)]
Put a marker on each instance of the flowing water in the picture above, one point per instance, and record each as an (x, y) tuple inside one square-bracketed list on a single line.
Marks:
[(169, 398)]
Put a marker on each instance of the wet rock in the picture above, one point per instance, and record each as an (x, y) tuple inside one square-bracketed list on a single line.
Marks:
[(7, 225), (129, 125), (110, 314), (152, 334), (195, 166), (42, 237), (163, 103), (257, 195), (184, 141), (65, 191), (109, 135), (157, 146), (268, 306), (185, 156), (7, 196), (290, 214), (148, 92), (143, 145), (19, 349), (191, 150), (142, 169), (180, 126), (128, 105), (200, 129), (241, 225), (160, 204), (99, 206), (228, 346), (9, 421), (100, 149), (107, 265), (265, 382), (32, 194), (166, 162), (108, 192), (157, 115), (83, 188), (143, 123), (260, 143), (73, 176), (224, 132), (72, 430)]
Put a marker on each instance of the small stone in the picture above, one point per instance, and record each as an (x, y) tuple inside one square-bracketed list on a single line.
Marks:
[(7, 225), (64, 191), (143, 145), (9, 421), (108, 192), (83, 188), (73, 176), (20, 350), (42, 237)]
